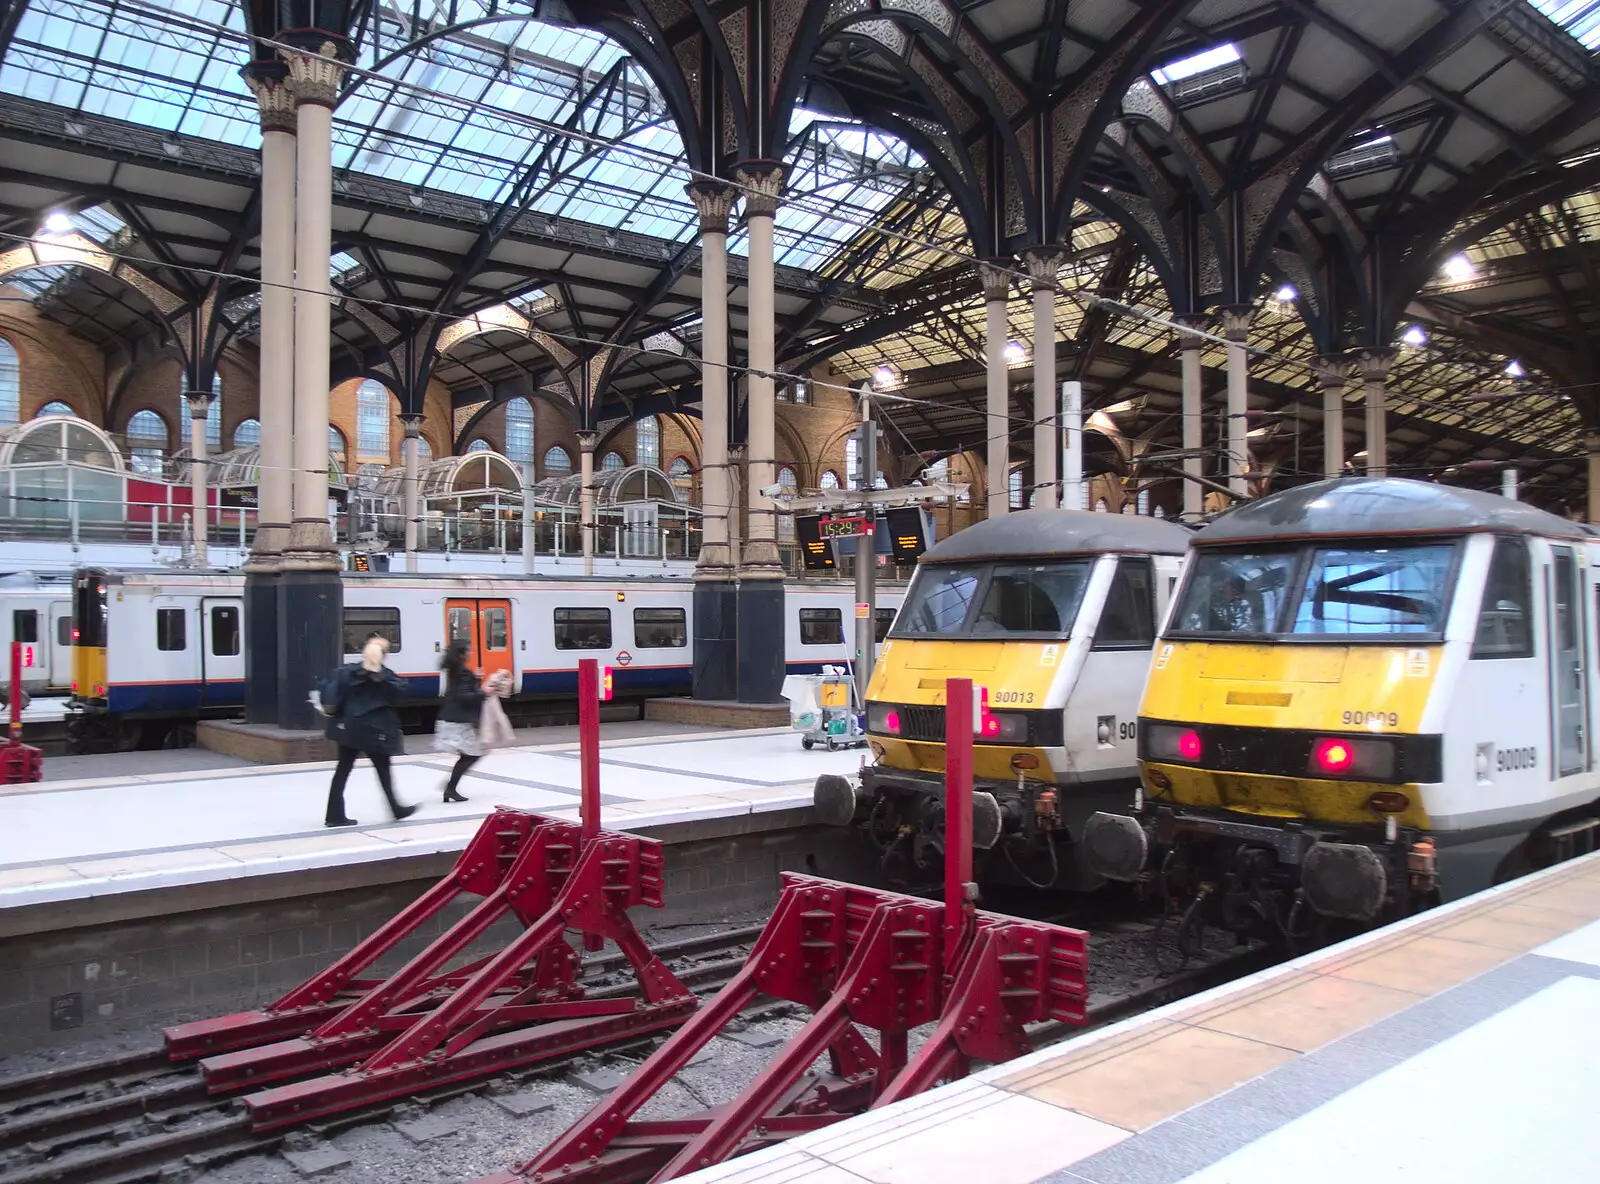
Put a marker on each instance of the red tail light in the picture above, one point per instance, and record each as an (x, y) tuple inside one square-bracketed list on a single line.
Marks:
[(891, 722), (991, 726), (1189, 746), (74, 635), (1332, 755)]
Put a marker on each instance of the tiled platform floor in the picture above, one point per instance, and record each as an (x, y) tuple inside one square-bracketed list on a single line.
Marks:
[(70, 840), (1459, 1046)]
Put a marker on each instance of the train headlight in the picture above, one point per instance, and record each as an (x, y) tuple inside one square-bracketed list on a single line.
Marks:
[(1343, 756), (883, 719), (1005, 727), (1173, 742)]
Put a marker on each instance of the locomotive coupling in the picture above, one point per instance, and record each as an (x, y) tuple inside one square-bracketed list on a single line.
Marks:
[(901, 798)]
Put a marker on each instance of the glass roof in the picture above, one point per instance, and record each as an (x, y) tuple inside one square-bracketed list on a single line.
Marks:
[(1581, 18)]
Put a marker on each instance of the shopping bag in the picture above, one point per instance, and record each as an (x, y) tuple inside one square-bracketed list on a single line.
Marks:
[(494, 729)]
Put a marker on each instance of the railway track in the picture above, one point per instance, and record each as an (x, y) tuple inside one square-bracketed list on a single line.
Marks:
[(138, 1117)]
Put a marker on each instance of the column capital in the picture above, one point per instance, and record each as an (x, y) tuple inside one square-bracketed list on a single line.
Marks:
[(411, 422), (1191, 320), (995, 276), (1236, 321), (587, 441), (199, 403), (1331, 369), (1375, 363), (762, 181), (269, 80), (713, 201), (1043, 263), (317, 64)]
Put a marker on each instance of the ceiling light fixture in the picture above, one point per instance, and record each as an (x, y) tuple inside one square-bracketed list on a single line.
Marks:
[(1286, 294), (1458, 269), (1514, 369), (883, 376), (1015, 351), (58, 223), (1415, 335)]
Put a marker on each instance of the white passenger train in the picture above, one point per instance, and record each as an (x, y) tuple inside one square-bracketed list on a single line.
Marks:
[(170, 646), (37, 611)]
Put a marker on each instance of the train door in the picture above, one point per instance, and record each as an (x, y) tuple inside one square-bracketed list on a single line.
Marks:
[(221, 651), (484, 627), (60, 643), (1566, 659)]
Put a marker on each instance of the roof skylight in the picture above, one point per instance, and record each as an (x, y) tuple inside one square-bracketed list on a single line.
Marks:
[(1210, 59), (1581, 18)]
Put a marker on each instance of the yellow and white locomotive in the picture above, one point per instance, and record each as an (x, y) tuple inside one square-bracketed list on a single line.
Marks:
[(1053, 612), (1369, 695)]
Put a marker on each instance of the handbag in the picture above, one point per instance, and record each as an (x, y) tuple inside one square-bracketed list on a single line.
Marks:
[(494, 729)]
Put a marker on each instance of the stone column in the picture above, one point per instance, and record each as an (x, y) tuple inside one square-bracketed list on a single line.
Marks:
[(1193, 418), (716, 636), (763, 184), (586, 522), (1236, 328), (997, 386), (1333, 374), (1375, 365), (199, 487), (761, 661), (411, 457), (275, 464), (1592, 446), (530, 517), (1043, 263), (311, 599)]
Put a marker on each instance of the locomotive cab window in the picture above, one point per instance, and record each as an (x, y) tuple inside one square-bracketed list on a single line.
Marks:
[(171, 629), (1032, 598), (821, 626), (1505, 629), (25, 625), (224, 630), (1128, 619), (660, 628), (583, 628), (362, 623)]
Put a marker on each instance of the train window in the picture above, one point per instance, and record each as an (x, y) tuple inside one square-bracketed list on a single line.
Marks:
[(361, 623), (660, 628), (495, 631), (63, 630), (1128, 619), (821, 626), (25, 625), (939, 599), (458, 623), (171, 629), (1235, 591), (225, 629), (1032, 598), (882, 622), (583, 628), (1505, 629), (1376, 590)]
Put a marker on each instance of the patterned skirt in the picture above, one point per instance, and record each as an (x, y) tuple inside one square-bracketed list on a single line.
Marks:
[(461, 739)]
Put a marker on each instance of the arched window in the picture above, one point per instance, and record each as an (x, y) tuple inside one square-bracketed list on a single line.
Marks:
[(54, 407), (147, 442), (424, 450), (480, 445), (1014, 488), (556, 462), (682, 474), (337, 448), (647, 441), (247, 434), (372, 420), (791, 484), (1100, 506), (10, 385), (214, 416), (1160, 513), (852, 463), (830, 480), (519, 431), (612, 461)]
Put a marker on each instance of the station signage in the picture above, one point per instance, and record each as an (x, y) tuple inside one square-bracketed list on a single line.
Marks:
[(851, 527), (910, 532), (815, 551)]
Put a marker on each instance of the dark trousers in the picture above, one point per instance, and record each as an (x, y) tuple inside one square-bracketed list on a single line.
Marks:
[(341, 774)]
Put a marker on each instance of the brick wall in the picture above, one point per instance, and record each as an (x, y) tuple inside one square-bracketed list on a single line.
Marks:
[(53, 363)]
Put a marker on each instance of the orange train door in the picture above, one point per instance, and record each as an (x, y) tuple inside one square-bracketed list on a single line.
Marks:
[(484, 627)]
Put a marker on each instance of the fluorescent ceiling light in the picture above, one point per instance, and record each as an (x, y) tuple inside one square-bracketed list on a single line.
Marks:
[(1415, 335), (1286, 294), (1199, 63)]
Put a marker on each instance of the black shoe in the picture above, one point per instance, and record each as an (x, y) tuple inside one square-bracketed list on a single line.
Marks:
[(340, 822), (451, 795), (405, 812)]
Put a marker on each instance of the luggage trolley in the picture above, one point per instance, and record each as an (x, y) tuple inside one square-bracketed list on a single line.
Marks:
[(824, 710)]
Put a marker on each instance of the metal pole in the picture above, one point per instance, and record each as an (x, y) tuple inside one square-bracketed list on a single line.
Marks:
[(866, 555), (589, 746), (1508, 483), (16, 692), (1072, 438), (959, 889)]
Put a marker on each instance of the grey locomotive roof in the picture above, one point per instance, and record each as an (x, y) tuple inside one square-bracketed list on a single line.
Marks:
[(1027, 533), (1381, 506)]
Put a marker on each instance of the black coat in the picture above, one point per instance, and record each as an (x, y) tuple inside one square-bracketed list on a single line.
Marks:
[(367, 718), (463, 699)]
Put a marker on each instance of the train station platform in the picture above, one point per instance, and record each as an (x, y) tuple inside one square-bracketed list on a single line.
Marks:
[(89, 839), (1459, 1046)]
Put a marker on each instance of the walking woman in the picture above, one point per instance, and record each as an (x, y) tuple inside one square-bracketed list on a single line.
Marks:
[(456, 729), (366, 723)]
